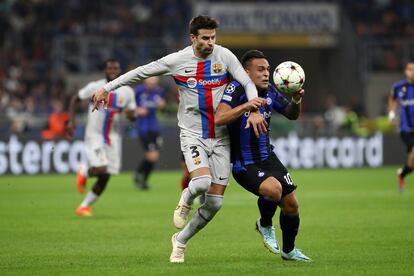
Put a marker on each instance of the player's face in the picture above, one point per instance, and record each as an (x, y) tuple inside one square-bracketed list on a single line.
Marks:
[(409, 72), (259, 71), (203, 43), (112, 70)]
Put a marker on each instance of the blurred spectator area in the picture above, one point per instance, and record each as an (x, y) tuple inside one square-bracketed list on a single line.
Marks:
[(50, 48)]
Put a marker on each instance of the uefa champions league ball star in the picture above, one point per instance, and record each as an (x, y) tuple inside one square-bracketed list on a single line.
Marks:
[(289, 77)]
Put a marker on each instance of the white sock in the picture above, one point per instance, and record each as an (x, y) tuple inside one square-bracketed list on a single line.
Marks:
[(90, 198)]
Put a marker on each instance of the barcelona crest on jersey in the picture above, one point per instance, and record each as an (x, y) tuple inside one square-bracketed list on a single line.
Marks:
[(217, 67)]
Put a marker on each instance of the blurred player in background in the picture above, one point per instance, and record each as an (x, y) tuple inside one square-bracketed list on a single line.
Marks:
[(201, 72), (255, 165), (102, 135), (402, 96), (149, 97)]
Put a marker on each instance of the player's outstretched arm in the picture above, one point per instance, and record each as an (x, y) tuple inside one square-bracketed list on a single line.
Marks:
[(392, 109), (293, 110), (71, 124), (225, 114)]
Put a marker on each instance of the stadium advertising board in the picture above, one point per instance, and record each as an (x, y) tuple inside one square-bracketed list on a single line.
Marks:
[(274, 24), (36, 156), (332, 152), (33, 157), (272, 17)]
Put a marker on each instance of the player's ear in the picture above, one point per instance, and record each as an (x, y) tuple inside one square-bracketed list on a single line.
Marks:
[(193, 37)]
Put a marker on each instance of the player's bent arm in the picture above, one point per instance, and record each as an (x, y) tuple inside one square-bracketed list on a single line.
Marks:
[(71, 124), (225, 114), (155, 68), (237, 71), (74, 101), (392, 108), (130, 114), (294, 108)]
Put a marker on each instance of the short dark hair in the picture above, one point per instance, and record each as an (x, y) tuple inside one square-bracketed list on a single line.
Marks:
[(249, 55), (109, 60), (202, 22)]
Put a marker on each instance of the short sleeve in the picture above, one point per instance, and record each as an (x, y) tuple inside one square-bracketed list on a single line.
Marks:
[(233, 94)]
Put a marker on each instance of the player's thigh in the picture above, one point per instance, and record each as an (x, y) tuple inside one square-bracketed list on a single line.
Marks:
[(279, 171), (113, 152), (251, 178), (96, 153), (195, 155), (220, 163)]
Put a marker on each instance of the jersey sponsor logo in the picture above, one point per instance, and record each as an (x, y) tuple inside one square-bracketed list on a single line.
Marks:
[(407, 102), (230, 88), (260, 173), (192, 82), (209, 82), (217, 67), (265, 114), (269, 101)]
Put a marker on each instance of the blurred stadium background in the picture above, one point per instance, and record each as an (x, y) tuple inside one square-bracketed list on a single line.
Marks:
[(351, 51)]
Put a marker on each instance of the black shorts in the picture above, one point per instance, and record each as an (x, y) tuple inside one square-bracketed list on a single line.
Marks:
[(151, 141), (254, 175), (408, 139)]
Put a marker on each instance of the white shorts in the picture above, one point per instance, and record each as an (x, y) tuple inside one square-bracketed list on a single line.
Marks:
[(212, 153), (100, 154)]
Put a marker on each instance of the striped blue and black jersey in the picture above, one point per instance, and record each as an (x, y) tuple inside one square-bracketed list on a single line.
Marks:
[(148, 99), (403, 92), (246, 148)]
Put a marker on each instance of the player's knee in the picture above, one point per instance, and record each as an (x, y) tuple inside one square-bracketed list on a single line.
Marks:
[(211, 206), (199, 184), (272, 190)]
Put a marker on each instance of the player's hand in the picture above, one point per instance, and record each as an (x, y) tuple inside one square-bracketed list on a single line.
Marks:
[(297, 96), (255, 104), (141, 111), (258, 122), (100, 98), (392, 118)]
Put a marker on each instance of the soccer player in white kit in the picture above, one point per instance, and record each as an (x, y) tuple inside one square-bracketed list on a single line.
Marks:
[(102, 135), (201, 72)]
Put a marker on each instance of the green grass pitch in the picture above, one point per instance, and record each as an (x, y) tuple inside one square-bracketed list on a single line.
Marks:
[(353, 222)]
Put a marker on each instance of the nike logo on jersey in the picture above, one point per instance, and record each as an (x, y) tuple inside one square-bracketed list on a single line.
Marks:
[(188, 70), (222, 178)]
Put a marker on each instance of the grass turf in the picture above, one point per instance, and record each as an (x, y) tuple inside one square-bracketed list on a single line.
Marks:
[(353, 222)]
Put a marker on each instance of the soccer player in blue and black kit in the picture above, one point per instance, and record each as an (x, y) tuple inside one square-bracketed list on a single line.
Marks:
[(149, 97), (255, 165), (402, 95)]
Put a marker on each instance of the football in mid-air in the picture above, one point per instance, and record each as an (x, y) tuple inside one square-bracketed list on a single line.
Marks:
[(289, 77)]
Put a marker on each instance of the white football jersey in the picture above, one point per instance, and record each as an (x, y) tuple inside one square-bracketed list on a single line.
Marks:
[(103, 124), (200, 82)]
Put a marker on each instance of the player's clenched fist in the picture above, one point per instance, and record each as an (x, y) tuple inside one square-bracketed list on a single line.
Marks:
[(100, 97), (255, 103)]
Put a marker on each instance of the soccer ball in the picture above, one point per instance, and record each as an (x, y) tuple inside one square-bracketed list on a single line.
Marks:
[(288, 77)]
